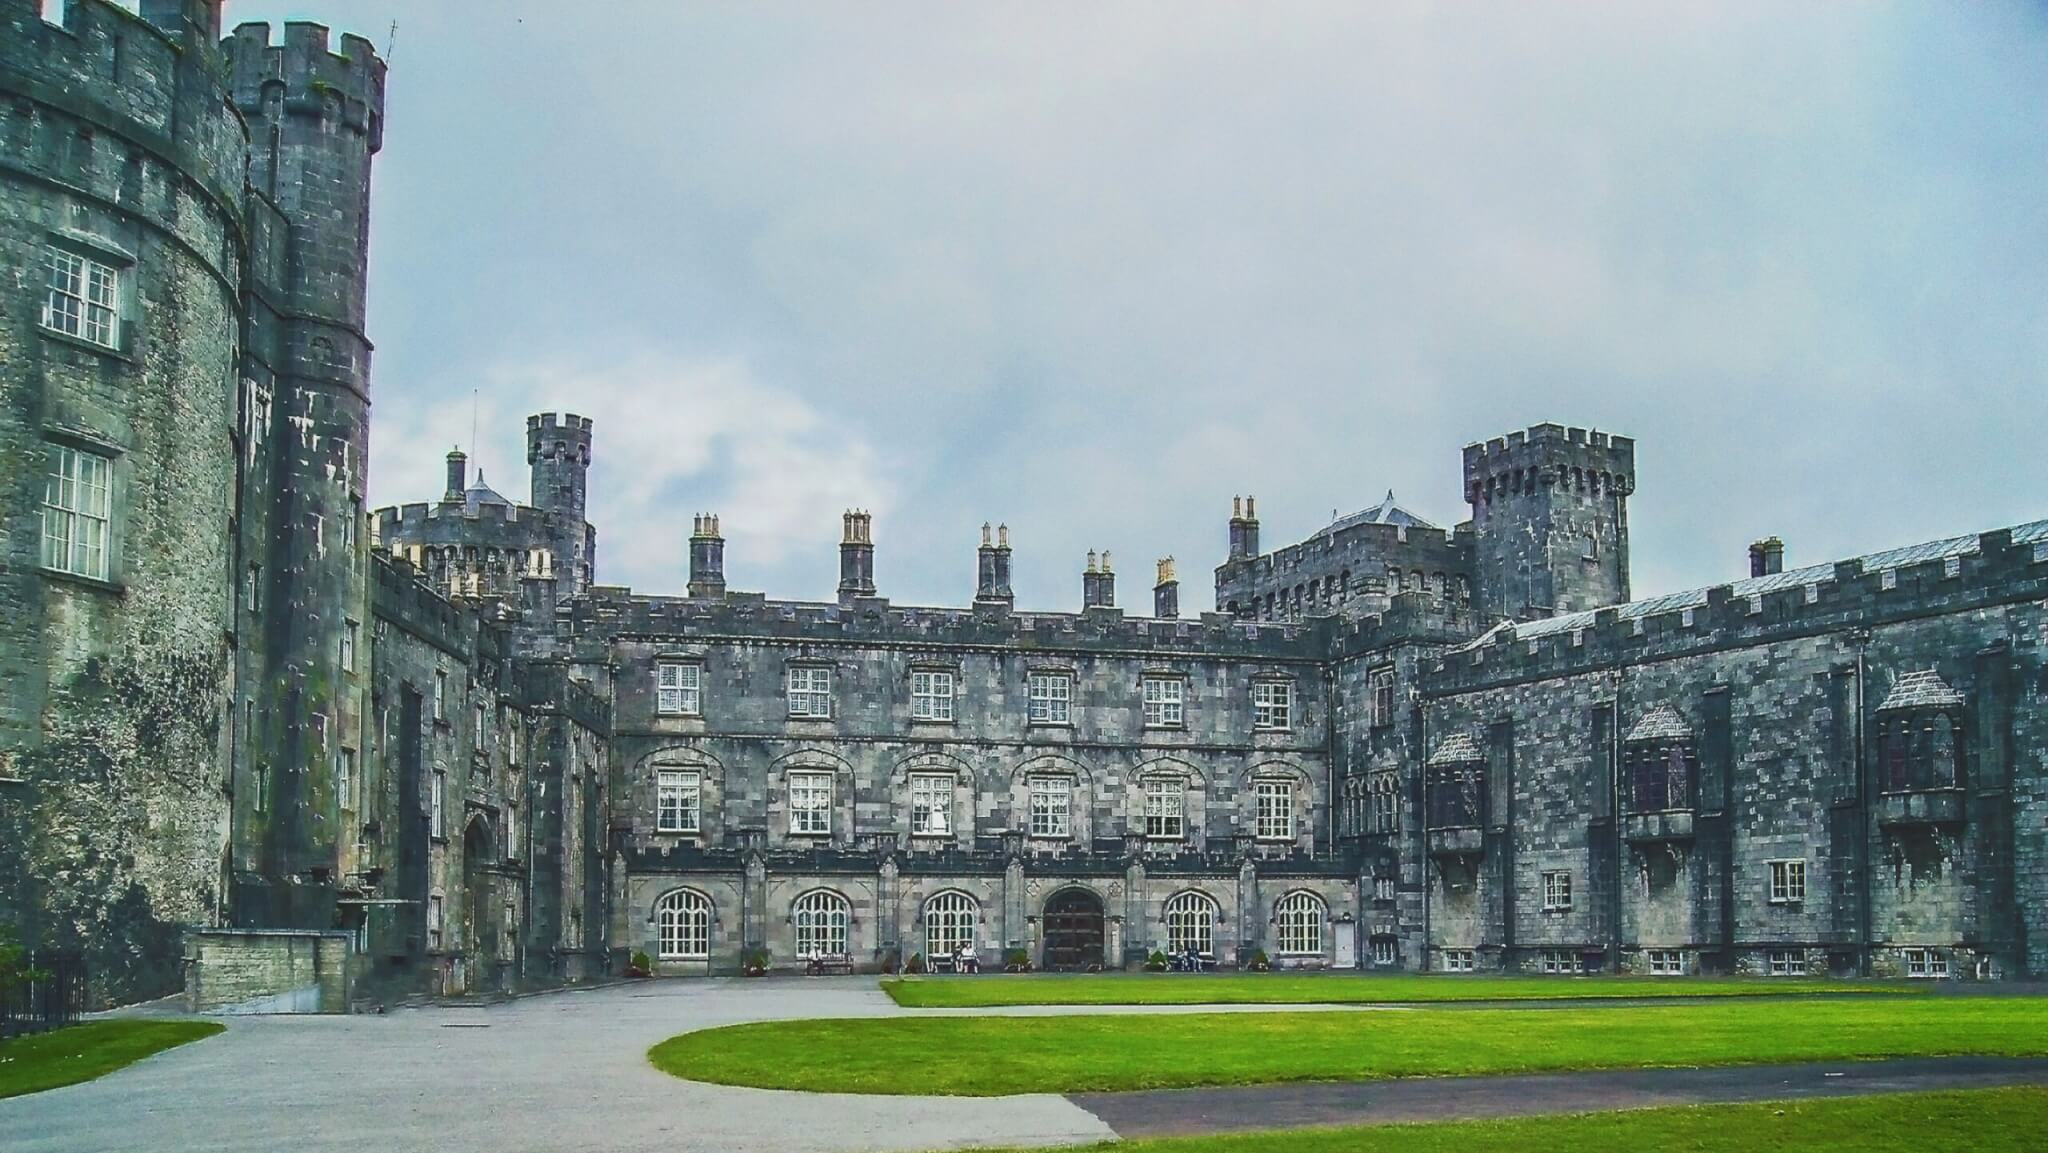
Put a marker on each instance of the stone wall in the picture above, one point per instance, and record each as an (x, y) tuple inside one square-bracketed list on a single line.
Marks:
[(248, 971)]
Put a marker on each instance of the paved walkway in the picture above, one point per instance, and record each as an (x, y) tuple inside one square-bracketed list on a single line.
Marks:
[(567, 1073), (1184, 1111)]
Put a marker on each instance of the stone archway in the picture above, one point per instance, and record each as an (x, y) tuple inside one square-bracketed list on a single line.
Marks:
[(1074, 929), (479, 945)]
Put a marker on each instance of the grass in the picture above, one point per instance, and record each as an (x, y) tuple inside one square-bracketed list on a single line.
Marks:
[(988, 1056), (94, 1049), (1980, 1120), (1308, 989)]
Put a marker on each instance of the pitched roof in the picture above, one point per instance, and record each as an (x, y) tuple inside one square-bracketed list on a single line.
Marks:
[(481, 494), (2033, 532), (1661, 724), (1385, 512), (1456, 749), (1921, 690)]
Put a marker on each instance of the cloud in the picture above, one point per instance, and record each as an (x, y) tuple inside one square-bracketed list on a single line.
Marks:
[(671, 437)]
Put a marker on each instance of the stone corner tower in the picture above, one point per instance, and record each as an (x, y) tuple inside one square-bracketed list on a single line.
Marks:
[(558, 455), (1549, 520)]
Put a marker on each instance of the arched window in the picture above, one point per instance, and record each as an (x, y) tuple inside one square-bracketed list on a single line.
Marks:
[(949, 920), (1299, 917), (821, 917), (1189, 917), (684, 920)]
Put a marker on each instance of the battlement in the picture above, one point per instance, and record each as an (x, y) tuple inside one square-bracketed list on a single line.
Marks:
[(605, 612), (165, 99), (306, 77), (2002, 566), (549, 437), (401, 596), (1549, 455)]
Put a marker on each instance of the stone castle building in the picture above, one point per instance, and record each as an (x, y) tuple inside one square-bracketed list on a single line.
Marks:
[(294, 754)]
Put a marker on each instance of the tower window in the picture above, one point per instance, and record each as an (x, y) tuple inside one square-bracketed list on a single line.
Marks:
[(77, 512), (677, 690), (84, 298), (931, 696), (1051, 697), (810, 691), (1272, 705), (1163, 701)]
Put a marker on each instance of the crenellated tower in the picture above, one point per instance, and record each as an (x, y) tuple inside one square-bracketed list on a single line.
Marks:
[(558, 453), (315, 121), (1549, 520)]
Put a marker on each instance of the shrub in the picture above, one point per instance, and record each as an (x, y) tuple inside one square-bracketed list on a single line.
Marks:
[(891, 961), (1017, 960), (754, 962), (916, 964), (639, 964), (1257, 962), (1156, 963)]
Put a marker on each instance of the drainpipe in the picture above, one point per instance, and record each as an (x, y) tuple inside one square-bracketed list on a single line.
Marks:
[(1422, 824), (1862, 819), (1614, 812)]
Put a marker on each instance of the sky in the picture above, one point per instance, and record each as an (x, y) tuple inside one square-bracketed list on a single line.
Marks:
[(1090, 270)]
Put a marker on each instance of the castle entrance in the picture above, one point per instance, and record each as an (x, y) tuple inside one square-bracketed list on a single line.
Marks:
[(1073, 930)]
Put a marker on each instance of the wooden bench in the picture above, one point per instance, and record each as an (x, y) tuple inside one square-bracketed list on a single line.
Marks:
[(830, 963)]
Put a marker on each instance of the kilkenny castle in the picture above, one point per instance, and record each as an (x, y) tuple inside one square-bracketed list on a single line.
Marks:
[(287, 753)]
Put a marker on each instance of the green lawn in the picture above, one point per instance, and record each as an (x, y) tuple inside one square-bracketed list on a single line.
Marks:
[(987, 1056), (1980, 1120), (1331, 988), (94, 1049)]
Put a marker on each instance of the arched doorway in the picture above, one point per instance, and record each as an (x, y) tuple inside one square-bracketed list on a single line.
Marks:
[(1073, 930), (475, 969)]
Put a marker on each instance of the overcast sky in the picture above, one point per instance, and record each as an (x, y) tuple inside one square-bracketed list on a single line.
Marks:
[(1093, 269)]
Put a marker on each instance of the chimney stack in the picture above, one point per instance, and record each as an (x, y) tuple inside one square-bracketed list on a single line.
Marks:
[(707, 557), (1244, 528), (1098, 583), (992, 569), (458, 469), (1166, 591), (856, 555), (1767, 557)]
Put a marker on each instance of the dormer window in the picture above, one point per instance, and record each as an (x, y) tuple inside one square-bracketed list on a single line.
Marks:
[(1457, 784), (1662, 762), (1919, 734)]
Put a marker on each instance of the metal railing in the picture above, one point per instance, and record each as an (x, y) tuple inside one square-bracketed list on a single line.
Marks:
[(50, 1000)]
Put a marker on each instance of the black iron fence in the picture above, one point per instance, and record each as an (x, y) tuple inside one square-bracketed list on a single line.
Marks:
[(49, 999)]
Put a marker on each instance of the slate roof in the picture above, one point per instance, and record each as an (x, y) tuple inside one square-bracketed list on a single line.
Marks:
[(1456, 749), (1661, 724), (1921, 690), (1385, 512), (2033, 532), (481, 494)]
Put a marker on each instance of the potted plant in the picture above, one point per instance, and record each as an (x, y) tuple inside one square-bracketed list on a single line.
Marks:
[(754, 962), (1257, 962), (1156, 962), (639, 965), (1017, 961)]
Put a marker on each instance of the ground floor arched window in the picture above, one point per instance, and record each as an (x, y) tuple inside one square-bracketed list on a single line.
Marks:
[(1190, 918), (949, 920), (1299, 918), (683, 919), (821, 917)]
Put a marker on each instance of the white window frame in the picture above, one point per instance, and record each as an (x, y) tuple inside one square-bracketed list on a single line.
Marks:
[(82, 297), (810, 692), (1272, 705), (437, 920), (950, 921), (1460, 961), (1557, 891), (1785, 962), (1561, 962), (678, 800), (1787, 881), (1384, 888), (678, 689), (1927, 964), (511, 833), (1165, 701), (1052, 807), (483, 724), (1298, 920), (1165, 808), (931, 695), (1274, 817), (1666, 963), (1383, 791), (1386, 952), (931, 804), (78, 512), (682, 919), (437, 805), (821, 918), (345, 777), (1051, 698), (348, 646), (1190, 918), (810, 802)]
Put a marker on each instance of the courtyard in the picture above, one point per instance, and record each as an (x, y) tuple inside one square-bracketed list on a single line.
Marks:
[(571, 1071)]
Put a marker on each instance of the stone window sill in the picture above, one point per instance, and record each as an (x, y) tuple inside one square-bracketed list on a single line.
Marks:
[(97, 584), (113, 352)]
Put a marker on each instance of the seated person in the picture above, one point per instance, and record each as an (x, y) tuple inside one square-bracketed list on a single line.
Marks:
[(968, 961)]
